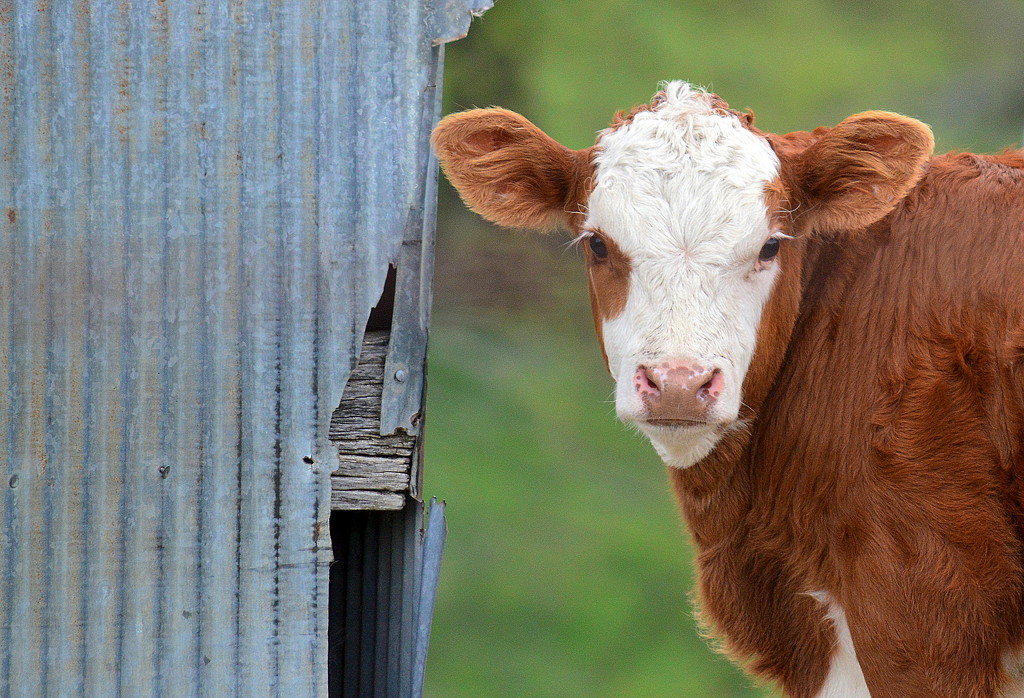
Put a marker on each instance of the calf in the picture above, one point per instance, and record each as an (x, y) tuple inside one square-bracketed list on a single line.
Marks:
[(822, 334)]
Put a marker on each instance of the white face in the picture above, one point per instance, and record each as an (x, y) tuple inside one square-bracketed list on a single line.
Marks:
[(680, 190)]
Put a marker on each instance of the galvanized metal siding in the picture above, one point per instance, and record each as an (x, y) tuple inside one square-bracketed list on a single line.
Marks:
[(198, 204)]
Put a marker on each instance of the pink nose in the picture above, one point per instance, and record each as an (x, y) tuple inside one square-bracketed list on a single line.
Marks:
[(678, 391)]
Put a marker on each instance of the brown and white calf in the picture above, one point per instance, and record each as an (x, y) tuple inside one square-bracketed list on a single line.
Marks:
[(823, 336)]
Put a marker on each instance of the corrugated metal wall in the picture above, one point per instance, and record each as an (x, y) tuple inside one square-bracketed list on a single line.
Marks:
[(198, 204)]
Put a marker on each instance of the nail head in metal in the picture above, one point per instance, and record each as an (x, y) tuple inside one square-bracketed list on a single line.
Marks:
[(401, 374)]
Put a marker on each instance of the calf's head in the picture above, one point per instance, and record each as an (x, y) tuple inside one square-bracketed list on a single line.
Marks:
[(694, 226)]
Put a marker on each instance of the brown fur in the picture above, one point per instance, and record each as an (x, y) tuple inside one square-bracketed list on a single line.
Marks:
[(608, 284), (885, 456), (623, 118), (719, 105)]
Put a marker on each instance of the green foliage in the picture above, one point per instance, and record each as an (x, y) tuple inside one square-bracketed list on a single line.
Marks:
[(799, 64), (568, 570)]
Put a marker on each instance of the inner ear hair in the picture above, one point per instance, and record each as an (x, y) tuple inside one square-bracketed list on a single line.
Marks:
[(857, 172), (508, 170)]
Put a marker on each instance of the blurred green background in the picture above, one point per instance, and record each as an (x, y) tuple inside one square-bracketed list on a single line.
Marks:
[(568, 570)]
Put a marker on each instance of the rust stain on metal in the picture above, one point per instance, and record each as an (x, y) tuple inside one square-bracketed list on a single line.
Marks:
[(12, 217)]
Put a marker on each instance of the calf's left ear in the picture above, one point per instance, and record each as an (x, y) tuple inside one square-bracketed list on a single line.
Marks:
[(509, 171), (857, 172)]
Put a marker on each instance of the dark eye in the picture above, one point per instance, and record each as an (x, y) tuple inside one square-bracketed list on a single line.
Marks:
[(769, 251), (598, 247)]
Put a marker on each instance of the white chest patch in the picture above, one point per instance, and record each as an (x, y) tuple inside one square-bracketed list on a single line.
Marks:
[(1013, 662), (845, 679)]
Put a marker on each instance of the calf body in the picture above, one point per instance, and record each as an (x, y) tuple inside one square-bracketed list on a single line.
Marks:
[(881, 477), (823, 336)]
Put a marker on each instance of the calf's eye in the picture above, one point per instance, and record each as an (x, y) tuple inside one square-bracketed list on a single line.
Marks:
[(598, 247), (769, 251)]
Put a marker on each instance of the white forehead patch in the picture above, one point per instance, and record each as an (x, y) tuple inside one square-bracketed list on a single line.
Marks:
[(681, 189), (683, 177)]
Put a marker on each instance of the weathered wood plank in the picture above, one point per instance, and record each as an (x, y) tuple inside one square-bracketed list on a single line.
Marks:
[(377, 452), (366, 499), (386, 482), (373, 470), (362, 466)]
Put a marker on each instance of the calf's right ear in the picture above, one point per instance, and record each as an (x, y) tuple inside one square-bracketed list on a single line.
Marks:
[(509, 171)]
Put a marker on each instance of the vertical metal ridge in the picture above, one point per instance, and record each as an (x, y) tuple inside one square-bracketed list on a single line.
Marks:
[(261, 323), (124, 419), (366, 621), (382, 631), (184, 465), (186, 319), (283, 361), (8, 246), (143, 76), (89, 370), (233, 147), (323, 464), (219, 198), (55, 492), (50, 426), (29, 366), (399, 564), (109, 49), (350, 669), (299, 483), (413, 516), (67, 309)]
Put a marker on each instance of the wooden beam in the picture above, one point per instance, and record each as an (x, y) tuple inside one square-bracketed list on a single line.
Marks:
[(373, 470)]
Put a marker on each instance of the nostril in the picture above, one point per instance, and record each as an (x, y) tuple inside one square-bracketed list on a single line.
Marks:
[(644, 384), (713, 387)]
